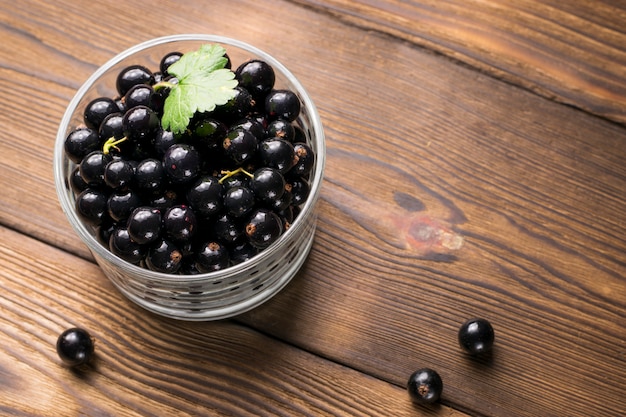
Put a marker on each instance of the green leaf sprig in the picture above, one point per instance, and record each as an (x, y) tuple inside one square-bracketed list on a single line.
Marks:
[(203, 83)]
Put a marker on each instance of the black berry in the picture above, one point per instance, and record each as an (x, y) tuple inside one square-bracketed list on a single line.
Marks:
[(75, 347), (425, 386), (476, 336)]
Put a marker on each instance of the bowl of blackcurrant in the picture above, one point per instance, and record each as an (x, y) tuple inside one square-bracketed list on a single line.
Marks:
[(191, 166)]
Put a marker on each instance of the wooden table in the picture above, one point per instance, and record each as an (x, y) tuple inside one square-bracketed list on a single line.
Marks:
[(476, 167)]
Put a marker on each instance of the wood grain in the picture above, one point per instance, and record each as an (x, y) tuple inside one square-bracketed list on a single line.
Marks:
[(572, 52), (148, 366), (448, 194)]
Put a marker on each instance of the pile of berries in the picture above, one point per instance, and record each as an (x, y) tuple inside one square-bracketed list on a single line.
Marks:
[(196, 201)]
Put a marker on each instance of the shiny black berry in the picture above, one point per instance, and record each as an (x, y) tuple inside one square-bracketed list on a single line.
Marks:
[(168, 60), (268, 184), (120, 244), (144, 225), (149, 176), (238, 201), (80, 142), (277, 153), (299, 188), (240, 145), (282, 129), (97, 109), (179, 223), (119, 173), (111, 127), (93, 167), (257, 77), (122, 203), (140, 122), (181, 163), (133, 75), (212, 256), (227, 229), (476, 336), (263, 228), (164, 256), (139, 95), (425, 386), (75, 347), (237, 107), (205, 196), (305, 159), (76, 182), (283, 104), (208, 132), (91, 206)]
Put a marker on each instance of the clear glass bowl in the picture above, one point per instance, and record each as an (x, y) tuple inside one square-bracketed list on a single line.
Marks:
[(214, 295)]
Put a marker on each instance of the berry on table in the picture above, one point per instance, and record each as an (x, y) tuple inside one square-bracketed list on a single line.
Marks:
[(425, 386), (476, 336), (75, 346)]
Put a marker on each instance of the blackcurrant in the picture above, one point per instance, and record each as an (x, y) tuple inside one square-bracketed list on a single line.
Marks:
[(237, 107), (299, 189), (241, 252), (425, 386), (97, 110), (75, 347), (212, 256), (76, 182), (277, 153), (140, 122), (139, 95), (111, 127), (282, 129), (149, 176), (121, 244), (476, 336), (181, 163), (252, 125), (257, 77), (263, 228), (208, 132), (133, 75), (205, 196), (93, 167), (91, 206), (238, 201), (164, 256), (163, 139), (305, 159), (119, 173), (283, 104), (168, 60), (240, 145), (144, 225), (122, 203), (227, 229), (268, 184), (80, 142), (179, 223)]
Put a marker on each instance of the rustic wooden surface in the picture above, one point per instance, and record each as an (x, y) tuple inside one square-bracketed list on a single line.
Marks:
[(476, 167)]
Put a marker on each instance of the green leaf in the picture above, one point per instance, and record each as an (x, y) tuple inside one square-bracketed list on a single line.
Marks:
[(203, 84)]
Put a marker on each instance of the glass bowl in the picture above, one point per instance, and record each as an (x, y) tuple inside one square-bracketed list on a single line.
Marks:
[(208, 296)]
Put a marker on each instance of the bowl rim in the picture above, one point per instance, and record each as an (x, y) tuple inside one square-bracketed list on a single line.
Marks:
[(63, 193)]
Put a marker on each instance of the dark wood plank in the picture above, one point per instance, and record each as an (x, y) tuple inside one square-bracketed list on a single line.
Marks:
[(148, 366), (572, 52), (448, 195)]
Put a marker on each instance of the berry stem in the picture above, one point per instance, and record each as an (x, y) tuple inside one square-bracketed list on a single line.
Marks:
[(112, 143), (163, 84), (228, 174)]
